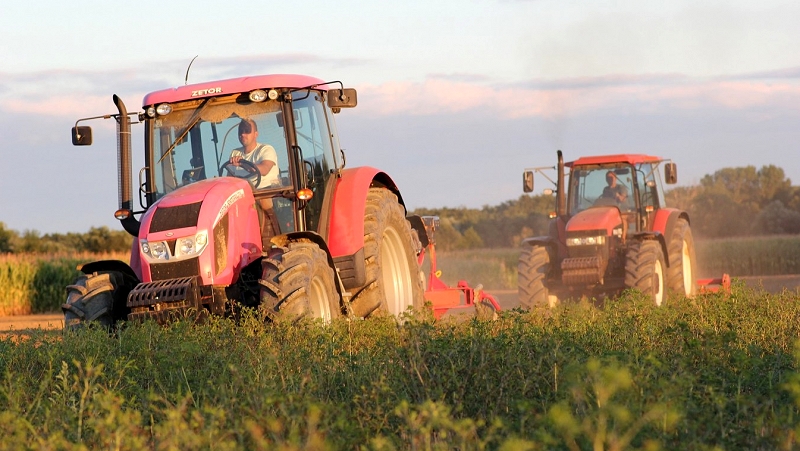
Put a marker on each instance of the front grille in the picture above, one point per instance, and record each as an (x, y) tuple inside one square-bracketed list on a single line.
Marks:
[(583, 270), (170, 218), (176, 269)]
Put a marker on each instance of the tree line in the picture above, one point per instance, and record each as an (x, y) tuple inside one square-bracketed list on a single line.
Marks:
[(96, 240), (732, 202)]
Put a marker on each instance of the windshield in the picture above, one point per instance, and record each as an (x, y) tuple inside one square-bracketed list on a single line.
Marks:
[(203, 151), (600, 185)]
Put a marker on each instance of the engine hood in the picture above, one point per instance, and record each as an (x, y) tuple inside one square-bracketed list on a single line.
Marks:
[(595, 218), (201, 204)]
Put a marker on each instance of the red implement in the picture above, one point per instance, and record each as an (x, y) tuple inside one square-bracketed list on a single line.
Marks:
[(446, 299), (715, 285)]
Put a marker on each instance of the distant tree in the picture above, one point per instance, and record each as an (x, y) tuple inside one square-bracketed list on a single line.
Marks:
[(103, 239), (7, 239), (717, 215), (775, 218), (471, 239)]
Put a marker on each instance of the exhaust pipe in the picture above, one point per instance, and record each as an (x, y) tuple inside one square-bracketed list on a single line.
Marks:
[(129, 223), (561, 195)]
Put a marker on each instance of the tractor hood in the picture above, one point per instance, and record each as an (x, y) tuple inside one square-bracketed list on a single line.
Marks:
[(200, 204), (216, 217), (595, 218)]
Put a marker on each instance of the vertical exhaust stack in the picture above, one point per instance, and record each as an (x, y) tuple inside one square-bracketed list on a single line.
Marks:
[(124, 164), (561, 195)]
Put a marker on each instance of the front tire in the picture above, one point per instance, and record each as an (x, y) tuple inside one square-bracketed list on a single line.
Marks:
[(298, 283), (532, 270), (96, 298), (644, 269), (681, 271), (393, 282)]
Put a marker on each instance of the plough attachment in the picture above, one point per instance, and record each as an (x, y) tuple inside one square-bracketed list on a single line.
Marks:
[(445, 299), (715, 285)]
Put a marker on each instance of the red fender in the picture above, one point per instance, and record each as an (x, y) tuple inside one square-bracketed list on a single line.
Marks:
[(346, 230), (665, 220)]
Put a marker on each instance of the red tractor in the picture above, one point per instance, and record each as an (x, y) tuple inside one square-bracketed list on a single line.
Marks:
[(311, 240), (611, 230)]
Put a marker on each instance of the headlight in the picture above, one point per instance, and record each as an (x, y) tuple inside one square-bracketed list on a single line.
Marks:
[(159, 250), (190, 246), (186, 247), (586, 241)]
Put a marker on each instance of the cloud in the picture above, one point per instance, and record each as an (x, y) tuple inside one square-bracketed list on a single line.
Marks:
[(555, 99)]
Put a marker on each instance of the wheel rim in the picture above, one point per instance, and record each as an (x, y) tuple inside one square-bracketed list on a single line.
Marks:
[(320, 302), (658, 283), (686, 266), (395, 273)]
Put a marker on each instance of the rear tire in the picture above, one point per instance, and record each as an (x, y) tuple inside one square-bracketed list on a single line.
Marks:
[(97, 298), (392, 272), (681, 271), (644, 269), (532, 270), (298, 283)]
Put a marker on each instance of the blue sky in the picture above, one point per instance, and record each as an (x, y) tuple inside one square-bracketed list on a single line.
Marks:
[(455, 97)]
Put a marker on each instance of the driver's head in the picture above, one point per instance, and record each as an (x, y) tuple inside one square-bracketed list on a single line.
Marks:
[(611, 178), (247, 126), (248, 132)]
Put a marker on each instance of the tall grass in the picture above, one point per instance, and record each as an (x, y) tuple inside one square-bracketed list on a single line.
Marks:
[(715, 372), (757, 256), (35, 283)]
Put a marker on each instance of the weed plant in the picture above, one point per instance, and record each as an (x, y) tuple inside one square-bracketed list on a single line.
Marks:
[(714, 372)]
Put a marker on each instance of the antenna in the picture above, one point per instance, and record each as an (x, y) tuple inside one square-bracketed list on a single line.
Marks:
[(186, 80)]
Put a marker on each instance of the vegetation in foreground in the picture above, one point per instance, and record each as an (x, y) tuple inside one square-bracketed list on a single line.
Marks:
[(715, 372)]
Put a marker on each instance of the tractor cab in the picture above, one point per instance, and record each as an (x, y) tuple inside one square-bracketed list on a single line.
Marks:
[(190, 135), (633, 187)]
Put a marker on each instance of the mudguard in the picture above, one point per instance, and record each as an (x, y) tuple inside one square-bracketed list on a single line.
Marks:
[(109, 265), (664, 223), (346, 229)]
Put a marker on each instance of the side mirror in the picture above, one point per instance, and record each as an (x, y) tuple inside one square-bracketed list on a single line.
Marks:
[(671, 173), (342, 98), (527, 181), (81, 135)]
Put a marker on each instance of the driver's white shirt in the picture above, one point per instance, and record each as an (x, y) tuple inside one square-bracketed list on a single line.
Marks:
[(260, 153)]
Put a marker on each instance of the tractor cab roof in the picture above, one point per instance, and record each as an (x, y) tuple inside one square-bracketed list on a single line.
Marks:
[(231, 86), (627, 158)]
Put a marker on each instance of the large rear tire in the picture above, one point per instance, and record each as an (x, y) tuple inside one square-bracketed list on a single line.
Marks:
[(532, 269), (644, 269), (97, 298), (392, 272), (298, 283), (681, 272)]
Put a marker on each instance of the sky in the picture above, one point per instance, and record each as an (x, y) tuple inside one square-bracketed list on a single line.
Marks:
[(455, 98)]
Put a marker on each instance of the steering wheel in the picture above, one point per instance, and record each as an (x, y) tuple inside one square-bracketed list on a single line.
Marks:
[(252, 171)]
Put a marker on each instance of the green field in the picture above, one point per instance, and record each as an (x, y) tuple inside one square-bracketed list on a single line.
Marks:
[(715, 372)]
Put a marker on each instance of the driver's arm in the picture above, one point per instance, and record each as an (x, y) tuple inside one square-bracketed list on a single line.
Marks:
[(265, 166)]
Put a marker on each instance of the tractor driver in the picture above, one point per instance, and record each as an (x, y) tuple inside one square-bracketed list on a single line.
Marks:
[(264, 157), (615, 190)]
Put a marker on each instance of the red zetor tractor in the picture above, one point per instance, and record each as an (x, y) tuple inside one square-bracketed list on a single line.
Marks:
[(307, 239), (611, 230)]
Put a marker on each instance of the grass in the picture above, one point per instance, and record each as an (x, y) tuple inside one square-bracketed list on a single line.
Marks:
[(714, 372), (35, 283)]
